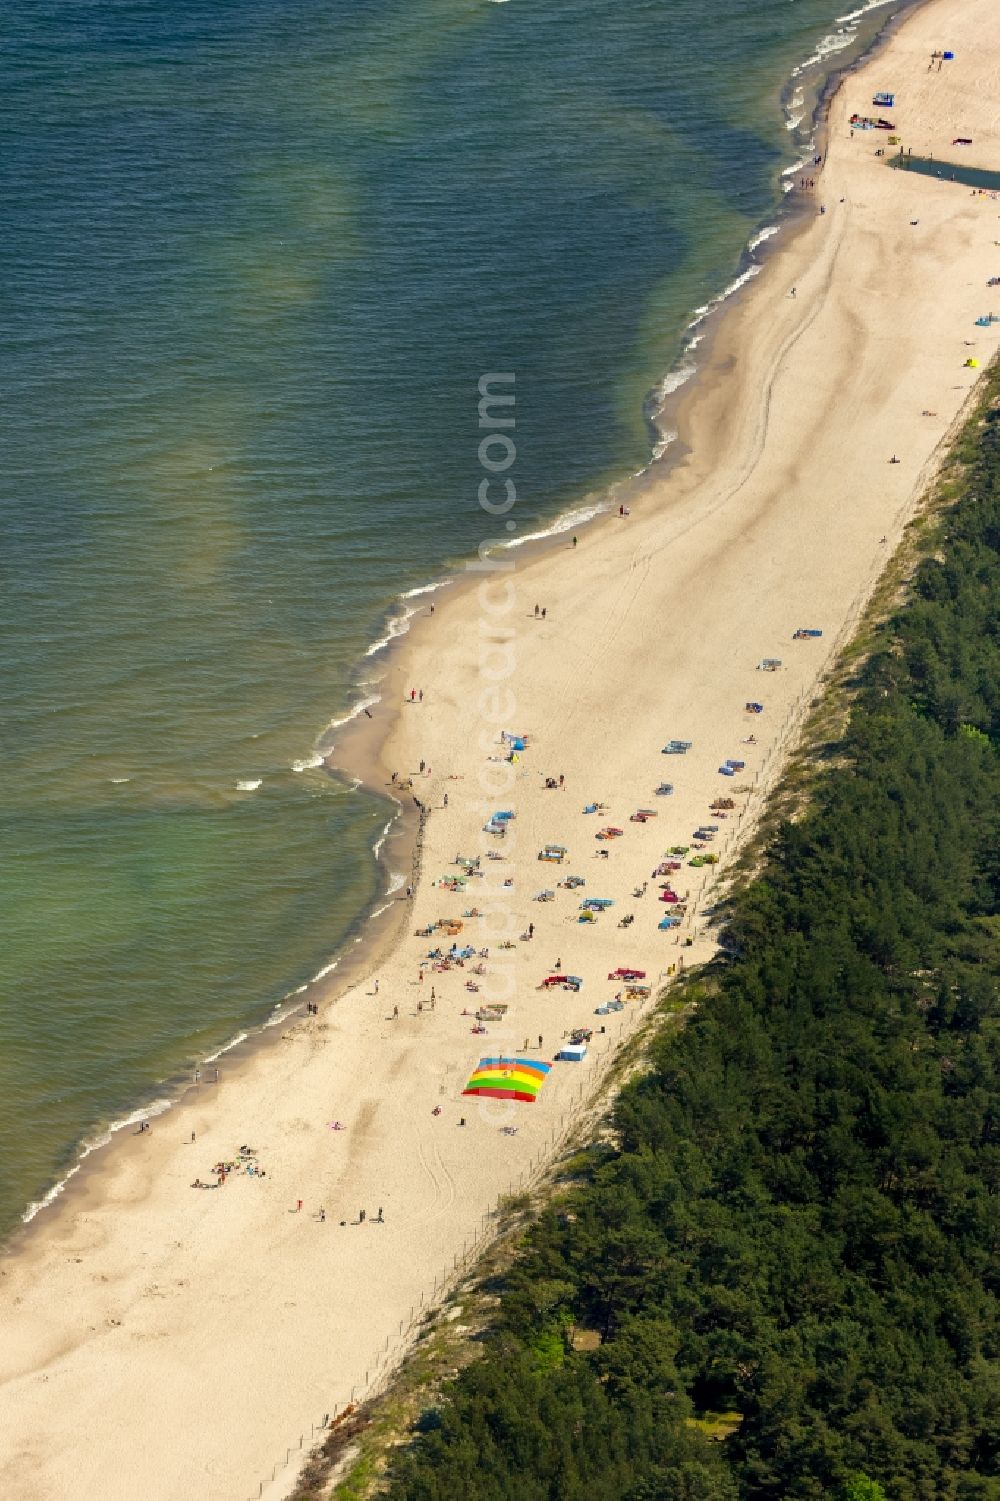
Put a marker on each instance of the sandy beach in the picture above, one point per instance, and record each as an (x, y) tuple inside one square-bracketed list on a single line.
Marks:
[(161, 1339)]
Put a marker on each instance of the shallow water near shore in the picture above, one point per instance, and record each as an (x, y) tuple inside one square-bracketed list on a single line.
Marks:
[(256, 264)]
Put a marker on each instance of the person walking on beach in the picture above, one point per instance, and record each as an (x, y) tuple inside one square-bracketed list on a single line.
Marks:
[(574, 541), (381, 1217), (322, 1216), (298, 1206), (421, 695), (446, 800), (422, 765), (539, 1039), (361, 1217), (395, 1010), (375, 991), (544, 612)]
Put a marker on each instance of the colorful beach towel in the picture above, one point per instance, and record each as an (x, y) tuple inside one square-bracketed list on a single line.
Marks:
[(508, 1078)]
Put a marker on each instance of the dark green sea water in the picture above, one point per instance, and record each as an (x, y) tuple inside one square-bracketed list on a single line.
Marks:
[(254, 258)]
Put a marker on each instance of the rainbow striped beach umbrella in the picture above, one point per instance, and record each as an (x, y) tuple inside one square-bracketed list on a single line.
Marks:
[(508, 1078)]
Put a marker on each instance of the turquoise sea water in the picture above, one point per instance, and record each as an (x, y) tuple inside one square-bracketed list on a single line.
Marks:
[(254, 258)]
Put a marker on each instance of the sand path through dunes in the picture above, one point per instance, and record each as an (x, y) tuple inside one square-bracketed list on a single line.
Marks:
[(161, 1340)]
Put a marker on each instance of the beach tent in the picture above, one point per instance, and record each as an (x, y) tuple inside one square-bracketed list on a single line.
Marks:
[(508, 1079), (572, 1052)]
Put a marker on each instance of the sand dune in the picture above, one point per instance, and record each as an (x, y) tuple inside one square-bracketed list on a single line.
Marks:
[(161, 1340)]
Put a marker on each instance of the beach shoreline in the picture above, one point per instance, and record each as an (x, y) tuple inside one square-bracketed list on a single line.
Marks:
[(352, 748), (779, 514)]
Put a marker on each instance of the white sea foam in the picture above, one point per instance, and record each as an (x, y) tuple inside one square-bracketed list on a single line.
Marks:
[(425, 589), (379, 910), (396, 880), (142, 1113), (734, 286), (827, 46), (855, 15), (250, 785), (227, 1047), (377, 846), (119, 780), (662, 444), (804, 161), (566, 522), (794, 121), (37, 1205), (767, 233), (674, 379), (356, 709), (310, 763), (326, 970), (396, 625), (279, 1016)]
